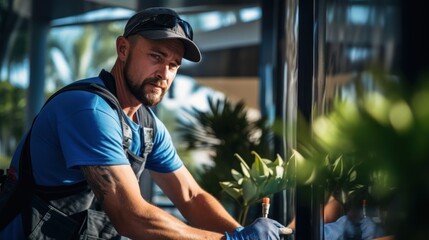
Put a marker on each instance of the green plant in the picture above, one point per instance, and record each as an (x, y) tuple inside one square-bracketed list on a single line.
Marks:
[(12, 116), (346, 179), (223, 130), (263, 178)]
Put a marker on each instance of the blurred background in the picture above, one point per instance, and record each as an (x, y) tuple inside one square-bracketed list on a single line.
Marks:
[(265, 63)]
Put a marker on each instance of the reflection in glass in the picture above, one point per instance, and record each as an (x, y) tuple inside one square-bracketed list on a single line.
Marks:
[(358, 36), (354, 38)]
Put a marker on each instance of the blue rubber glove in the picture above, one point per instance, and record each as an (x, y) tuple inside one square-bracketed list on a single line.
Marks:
[(343, 228), (370, 229), (261, 228), (335, 230)]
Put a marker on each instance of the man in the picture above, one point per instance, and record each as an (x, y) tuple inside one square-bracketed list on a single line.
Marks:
[(77, 140)]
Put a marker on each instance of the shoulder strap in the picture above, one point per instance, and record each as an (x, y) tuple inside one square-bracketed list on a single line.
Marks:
[(109, 97), (146, 120)]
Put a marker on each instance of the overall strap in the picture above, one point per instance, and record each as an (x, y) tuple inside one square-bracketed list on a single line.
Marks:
[(147, 124), (144, 115), (109, 97)]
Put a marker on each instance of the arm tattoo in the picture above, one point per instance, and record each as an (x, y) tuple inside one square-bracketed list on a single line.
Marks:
[(99, 179)]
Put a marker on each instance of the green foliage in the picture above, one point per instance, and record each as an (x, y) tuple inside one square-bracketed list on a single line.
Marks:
[(5, 161), (224, 130), (345, 178), (12, 109), (378, 144), (85, 52), (263, 178)]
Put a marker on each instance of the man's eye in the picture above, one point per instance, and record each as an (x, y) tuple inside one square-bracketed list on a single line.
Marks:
[(155, 56), (174, 66)]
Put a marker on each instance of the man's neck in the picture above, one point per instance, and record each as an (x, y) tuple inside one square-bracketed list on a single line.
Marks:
[(129, 104)]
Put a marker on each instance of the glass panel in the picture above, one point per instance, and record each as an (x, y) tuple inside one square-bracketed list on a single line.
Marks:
[(356, 39), (359, 35), (290, 102)]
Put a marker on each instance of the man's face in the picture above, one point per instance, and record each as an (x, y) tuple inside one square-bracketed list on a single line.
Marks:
[(151, 66)]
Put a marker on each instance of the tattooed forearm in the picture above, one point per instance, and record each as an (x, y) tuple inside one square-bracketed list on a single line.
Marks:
[(99, 179)]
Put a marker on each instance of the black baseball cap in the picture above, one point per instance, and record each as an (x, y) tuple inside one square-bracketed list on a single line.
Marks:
[(162, 23)]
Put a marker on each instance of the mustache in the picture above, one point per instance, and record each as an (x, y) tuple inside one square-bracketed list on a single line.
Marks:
[(156, 81)]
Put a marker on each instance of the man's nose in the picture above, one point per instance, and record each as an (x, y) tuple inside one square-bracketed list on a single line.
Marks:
[(162, 72)]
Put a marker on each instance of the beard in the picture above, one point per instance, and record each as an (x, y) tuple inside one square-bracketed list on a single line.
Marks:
[(148, 98)]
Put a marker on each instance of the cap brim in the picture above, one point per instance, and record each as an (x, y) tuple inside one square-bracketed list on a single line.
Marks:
[(192, 53)]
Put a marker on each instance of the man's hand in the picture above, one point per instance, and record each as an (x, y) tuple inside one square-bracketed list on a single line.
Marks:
[(261, 228)]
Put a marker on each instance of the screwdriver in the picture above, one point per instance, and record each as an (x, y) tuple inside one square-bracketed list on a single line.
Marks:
[(266, 209)]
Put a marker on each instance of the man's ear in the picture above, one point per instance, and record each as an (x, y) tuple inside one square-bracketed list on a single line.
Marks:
[(122, 47)]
